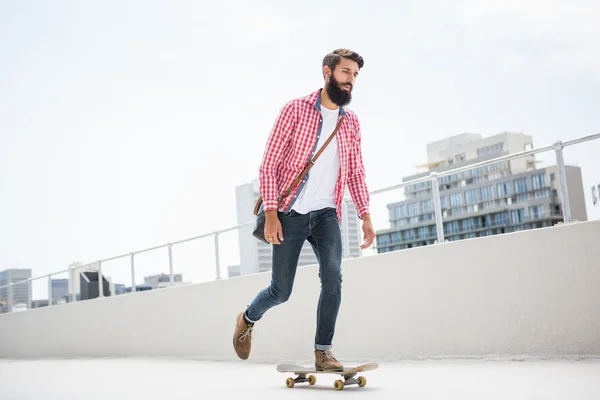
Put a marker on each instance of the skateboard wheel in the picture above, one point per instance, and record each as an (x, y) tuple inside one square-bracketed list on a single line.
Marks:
[(312, 379), (338, 385), (362, 381), (289, 382)]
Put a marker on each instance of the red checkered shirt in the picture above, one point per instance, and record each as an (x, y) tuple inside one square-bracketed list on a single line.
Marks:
[(291, 145)]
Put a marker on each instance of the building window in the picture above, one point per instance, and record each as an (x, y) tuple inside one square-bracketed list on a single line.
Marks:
[(452, 227), (536, 212), (471, 196), (517, 216), (444, 201), (521, 185), (494, 175), (497, 147), (413, 209), (479, 171), (426, 206), (427, 217), (383, 240), (489, 205), (456, 200), (522, 197), (542, 194), (400, 211), (504, 189), (469, 224), (500, 219), (487, 193), (539, 181)]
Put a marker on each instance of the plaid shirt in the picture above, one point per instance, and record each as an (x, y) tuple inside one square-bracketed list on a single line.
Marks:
[(291, 145)]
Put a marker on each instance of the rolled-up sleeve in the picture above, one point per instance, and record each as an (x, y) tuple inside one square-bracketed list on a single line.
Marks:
[(356, 176), (276, 144)]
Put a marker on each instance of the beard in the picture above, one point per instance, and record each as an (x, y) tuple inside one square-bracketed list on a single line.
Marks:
[(338, 95)]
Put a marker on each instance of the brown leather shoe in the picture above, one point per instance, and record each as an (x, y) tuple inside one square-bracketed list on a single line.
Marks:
[(242, 337), (324, 360)]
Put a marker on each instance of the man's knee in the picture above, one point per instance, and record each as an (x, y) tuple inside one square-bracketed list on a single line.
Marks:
[(280, 295), (331, 281)]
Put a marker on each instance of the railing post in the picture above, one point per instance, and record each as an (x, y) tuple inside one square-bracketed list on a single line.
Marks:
[(437, 206), (100, 285), (171, 278), (10, 297), (346, 230), (49, 290), (562, 180), (133, 289), (217, 261), (29, 293), (72, 277)]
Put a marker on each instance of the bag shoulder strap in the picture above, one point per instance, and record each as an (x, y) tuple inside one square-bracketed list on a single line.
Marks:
[(311, 162), (305, 170)]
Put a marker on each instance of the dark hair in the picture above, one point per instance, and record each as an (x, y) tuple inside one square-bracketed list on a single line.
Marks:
[(332, 59)]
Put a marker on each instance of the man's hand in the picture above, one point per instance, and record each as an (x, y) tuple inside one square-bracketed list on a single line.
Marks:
[(273, 230), (368, 231)]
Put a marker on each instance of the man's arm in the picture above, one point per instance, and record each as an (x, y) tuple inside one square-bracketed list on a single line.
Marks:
[(358, 188), (275, 147), (356, 176)]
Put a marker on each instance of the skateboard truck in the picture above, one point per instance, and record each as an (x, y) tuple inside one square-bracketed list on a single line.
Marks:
[(301, 378)]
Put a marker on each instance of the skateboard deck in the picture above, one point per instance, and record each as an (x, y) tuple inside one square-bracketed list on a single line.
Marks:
[(348, 373)]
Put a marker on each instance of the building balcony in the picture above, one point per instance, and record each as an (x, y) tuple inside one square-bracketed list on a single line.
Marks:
[(545, 195), (455, 228)]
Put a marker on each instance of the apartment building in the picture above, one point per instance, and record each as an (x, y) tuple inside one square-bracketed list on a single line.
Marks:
[(498, 198)]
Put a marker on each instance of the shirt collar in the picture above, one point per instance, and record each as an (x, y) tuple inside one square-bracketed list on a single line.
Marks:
[(316, 100)]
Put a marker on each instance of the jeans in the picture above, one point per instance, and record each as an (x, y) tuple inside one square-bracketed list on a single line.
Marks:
[(322, 230)]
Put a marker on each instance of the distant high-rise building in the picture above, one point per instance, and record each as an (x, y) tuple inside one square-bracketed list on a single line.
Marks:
[(118, 288), (503, 197), (162, 280), (20, 293), (60, 291), (233, 270), (75, 271), (255, 256)]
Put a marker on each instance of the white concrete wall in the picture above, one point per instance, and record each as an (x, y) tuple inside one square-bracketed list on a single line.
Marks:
[(528, 294)]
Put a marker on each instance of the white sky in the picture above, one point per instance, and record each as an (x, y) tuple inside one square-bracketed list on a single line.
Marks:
[(107, 108)]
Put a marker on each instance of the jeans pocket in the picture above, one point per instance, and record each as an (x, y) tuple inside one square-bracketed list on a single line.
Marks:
[(287, 215)]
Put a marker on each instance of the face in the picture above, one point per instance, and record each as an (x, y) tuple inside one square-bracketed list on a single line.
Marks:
[(339, 85)]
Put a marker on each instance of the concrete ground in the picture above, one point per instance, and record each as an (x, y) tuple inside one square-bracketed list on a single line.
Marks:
[(139, 378)]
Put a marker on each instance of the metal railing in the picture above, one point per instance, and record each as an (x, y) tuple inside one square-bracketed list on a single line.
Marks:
[(433, 177), (423, 233)]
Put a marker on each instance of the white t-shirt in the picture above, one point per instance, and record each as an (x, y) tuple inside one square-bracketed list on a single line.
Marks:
[(319, 189)]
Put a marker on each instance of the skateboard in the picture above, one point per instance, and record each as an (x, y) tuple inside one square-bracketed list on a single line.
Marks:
[(348, 374)]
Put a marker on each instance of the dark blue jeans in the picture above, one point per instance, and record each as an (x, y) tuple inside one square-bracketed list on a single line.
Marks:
[(322, 230)]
